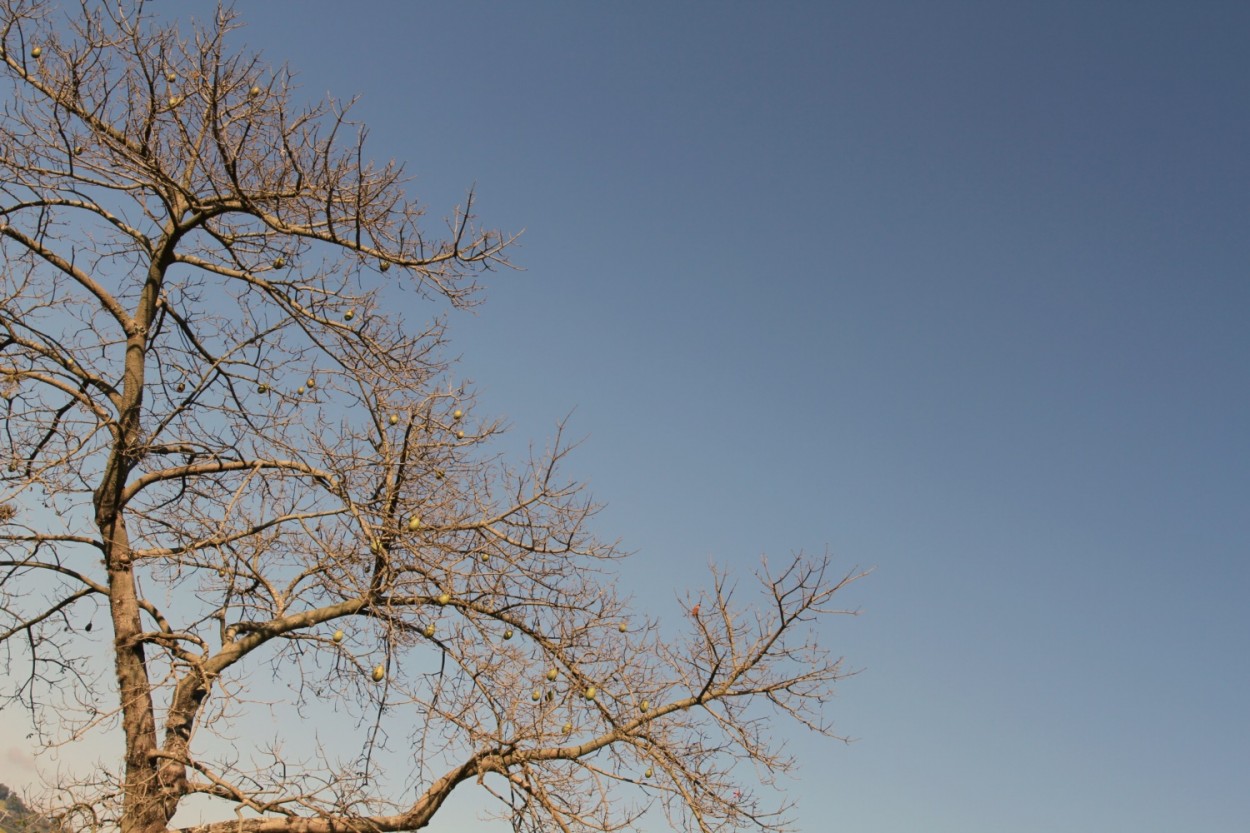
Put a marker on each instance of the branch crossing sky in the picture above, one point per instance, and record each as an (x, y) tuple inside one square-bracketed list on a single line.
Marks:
[(959, 291)]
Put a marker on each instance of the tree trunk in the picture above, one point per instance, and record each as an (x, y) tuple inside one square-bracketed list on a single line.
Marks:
[(145, 809)]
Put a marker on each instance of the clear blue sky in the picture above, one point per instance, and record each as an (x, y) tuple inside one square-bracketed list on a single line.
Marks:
[(959, 291)]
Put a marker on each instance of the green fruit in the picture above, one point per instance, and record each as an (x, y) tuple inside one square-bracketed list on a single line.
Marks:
[(429, 631), (568, 727), (279, 262), (414, 523), (552, 674), (644, 706), (648, 773), (378, 673), (338, 637), (507, 634), (262, 388), (591, 692), (536, 695)]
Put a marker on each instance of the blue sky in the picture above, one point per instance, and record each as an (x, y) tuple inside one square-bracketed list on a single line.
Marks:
[(958, 291)]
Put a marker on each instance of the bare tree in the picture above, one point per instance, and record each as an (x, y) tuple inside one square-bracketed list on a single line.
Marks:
[(218, 433)]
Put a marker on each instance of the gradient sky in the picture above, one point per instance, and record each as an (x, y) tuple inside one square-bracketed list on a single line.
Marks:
[(958, 291)]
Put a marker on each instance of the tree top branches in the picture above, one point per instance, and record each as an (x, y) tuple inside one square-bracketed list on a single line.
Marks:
[(235, 472)]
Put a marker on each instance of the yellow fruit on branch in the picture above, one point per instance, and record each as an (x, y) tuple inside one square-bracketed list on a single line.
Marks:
[(552, 674), (623, 628), (414, 523), (36, 52), (536, 695), (444, 598), (648, 773), (349, 315), (568, 727), (338, 636), (591, 692), (644, 706), (378, 673), (457, 414), (507, 634), (429, 631), (394, 419), (255, 91)]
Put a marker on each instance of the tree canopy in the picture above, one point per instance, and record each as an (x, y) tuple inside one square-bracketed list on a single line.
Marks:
[(236, 471)]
